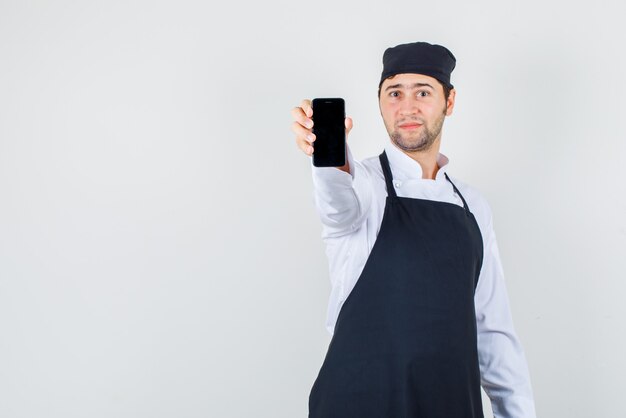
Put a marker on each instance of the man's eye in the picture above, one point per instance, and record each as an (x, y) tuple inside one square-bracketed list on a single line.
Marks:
[(394, 94), (422, 91)]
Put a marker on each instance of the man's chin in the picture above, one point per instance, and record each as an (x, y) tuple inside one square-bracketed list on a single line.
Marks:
[(409, 140), (410, 145)]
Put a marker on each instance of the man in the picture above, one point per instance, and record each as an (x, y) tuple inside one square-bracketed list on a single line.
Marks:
[(418, 313)]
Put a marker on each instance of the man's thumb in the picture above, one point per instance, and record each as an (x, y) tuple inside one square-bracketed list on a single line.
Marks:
[(348, 122)]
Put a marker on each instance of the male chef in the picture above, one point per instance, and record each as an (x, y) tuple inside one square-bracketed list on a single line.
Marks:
[(418, 312)]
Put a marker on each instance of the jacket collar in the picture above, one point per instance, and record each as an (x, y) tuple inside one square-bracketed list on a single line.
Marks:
[(404, 167)]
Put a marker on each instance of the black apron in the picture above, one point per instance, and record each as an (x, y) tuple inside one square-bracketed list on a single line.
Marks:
[(405, 343)]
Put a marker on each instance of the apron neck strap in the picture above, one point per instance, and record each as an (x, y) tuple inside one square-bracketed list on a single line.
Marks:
[(384, 163), (459, 193)]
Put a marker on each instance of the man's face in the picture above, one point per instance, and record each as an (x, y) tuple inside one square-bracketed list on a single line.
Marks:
[(413, 108)]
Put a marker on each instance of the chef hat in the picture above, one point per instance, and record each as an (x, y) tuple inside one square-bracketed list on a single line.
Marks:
[(419, 58)]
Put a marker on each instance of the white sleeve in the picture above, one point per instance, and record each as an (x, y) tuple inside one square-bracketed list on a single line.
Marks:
[(342, 199), (503, 367)]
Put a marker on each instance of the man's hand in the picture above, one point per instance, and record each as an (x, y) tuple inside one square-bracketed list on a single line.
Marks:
[(303, 125)]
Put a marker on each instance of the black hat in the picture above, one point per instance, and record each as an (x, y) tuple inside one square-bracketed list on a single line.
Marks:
[(419, 58)]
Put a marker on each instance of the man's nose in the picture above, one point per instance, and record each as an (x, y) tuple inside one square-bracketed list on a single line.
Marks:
[(409, 107)]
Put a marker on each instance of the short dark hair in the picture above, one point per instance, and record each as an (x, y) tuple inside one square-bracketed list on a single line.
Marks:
[(446, 90)]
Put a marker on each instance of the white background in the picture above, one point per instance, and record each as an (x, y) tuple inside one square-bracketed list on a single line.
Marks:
[(160, 255)]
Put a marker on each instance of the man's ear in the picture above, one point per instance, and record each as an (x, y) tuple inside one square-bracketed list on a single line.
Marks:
[(450, 102)]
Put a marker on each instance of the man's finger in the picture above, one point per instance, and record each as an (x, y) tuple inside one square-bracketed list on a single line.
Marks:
[(304, 146), (302, 132), (307, 107), (298, 114)]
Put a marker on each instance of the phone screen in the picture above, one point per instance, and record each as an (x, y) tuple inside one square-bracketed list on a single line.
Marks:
[(329, 147)]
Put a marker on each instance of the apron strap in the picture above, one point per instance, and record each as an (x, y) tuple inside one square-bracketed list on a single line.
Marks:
[(459, 193), (384, 163)]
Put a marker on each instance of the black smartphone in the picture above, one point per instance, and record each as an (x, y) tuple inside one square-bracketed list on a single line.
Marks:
[(329, 147)]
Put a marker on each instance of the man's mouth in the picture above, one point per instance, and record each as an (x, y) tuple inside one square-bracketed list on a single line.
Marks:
[(409, 125)]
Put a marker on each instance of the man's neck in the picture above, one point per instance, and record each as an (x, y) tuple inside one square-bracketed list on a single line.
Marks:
[(427, 160)]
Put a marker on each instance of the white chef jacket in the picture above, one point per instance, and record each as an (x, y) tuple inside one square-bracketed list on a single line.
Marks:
[(351, 207)]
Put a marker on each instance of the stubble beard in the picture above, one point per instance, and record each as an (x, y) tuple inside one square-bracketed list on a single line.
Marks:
[(419, 141)]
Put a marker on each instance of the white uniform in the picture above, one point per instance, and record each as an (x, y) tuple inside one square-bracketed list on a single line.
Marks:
[(351, 207)]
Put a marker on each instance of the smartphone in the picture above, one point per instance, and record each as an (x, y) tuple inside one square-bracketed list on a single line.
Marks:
[(329, 147)]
